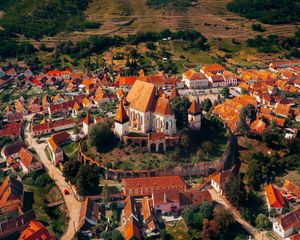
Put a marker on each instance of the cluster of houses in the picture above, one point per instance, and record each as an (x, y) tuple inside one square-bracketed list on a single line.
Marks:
[(12, 215), (287, 221), (149, 200), (18, 156), (213, 75), (264, 90)]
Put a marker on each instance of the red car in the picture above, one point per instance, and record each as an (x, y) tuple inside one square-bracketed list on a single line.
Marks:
[(66, 192)]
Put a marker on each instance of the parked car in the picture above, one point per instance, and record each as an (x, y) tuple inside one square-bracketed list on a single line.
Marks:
[(66, 192)]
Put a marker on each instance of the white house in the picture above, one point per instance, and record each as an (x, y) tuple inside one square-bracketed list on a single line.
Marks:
[(285, 226), (274, 198), (218, 180), (194, 79), (28, 162)]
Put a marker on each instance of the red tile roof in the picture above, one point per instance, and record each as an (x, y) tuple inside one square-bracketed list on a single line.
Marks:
[(150, 182), (194, 108), (26, 157), (290, 220), (292, 188), (121, 115), (163, 107), (274, 197), (35, 230)]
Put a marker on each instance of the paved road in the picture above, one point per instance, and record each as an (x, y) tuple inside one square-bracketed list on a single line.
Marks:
[(73, 205), (237, 216)]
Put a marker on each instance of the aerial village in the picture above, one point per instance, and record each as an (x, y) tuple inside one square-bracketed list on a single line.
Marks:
[(69, 130)]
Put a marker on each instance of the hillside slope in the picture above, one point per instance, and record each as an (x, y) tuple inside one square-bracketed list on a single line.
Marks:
[(210, 17)]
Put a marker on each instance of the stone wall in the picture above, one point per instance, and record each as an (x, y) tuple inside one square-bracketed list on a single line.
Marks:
[(228, 160)]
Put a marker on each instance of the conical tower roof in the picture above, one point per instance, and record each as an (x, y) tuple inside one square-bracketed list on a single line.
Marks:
[(88, 120), (121, 115), (194, 109), (174, 93)]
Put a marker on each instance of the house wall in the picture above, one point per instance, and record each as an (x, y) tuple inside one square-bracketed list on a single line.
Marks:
[(166, 207), (165, 124), (277, 228), (216, 186), (194, 121), (149, 190), (11, 206), (121, 129)]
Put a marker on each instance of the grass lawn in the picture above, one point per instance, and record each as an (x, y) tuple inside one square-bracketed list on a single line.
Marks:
[(178, 230), (71, 150), (38, 198)]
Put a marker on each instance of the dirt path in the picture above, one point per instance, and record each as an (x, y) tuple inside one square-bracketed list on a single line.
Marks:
[(237, 216), (73, 205)]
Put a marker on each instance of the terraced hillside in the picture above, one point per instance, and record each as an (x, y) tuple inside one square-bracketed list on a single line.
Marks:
[(210, 17)]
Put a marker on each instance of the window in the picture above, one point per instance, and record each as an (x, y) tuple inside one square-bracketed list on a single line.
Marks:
[(167, 126)]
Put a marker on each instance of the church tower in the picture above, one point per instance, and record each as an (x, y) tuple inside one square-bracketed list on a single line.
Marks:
[(121, 121), (194, 115), (86, 123)]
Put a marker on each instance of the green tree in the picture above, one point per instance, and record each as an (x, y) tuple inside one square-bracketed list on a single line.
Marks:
[(262, 222), (206, 209), (207, 104), (101, 136), (210, 230), (70, 170), (193, 219), (87, 180), (247, 115), (180, 107), (235, 191), (164, 235), (223, 217), (225, 92), (43, 180)]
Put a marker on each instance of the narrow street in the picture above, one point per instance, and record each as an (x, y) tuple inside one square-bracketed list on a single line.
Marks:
[(237, 216), (72, 204)]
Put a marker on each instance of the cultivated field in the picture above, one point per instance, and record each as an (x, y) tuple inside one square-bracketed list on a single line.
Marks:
[(210, 17)]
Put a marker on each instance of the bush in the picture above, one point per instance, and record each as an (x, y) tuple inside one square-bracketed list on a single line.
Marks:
[(257, 27), (43, 180)]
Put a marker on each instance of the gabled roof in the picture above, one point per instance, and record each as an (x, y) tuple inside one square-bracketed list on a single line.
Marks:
[(174, 93), (163, 106), (194, 197), (26, 157), (212, 68), (121, 115), (127, 80), (90, 211), (132, 230), (274, 197), (165, 196), (291, 187), (258, 126), (88, 120), (221, 177), (290, 220), (194, 109), (35, 230), (193, 75), (163, 181), (10, 189), (13, 148), (142, 96)]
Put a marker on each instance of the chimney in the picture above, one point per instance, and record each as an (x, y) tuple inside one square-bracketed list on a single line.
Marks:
[(165, 198)]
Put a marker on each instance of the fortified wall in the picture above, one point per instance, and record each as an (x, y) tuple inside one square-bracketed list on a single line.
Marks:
[(228, 160)]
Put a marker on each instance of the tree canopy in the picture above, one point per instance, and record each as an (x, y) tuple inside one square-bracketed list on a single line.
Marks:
[(268, 11), (180, 107), (101, 137)]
